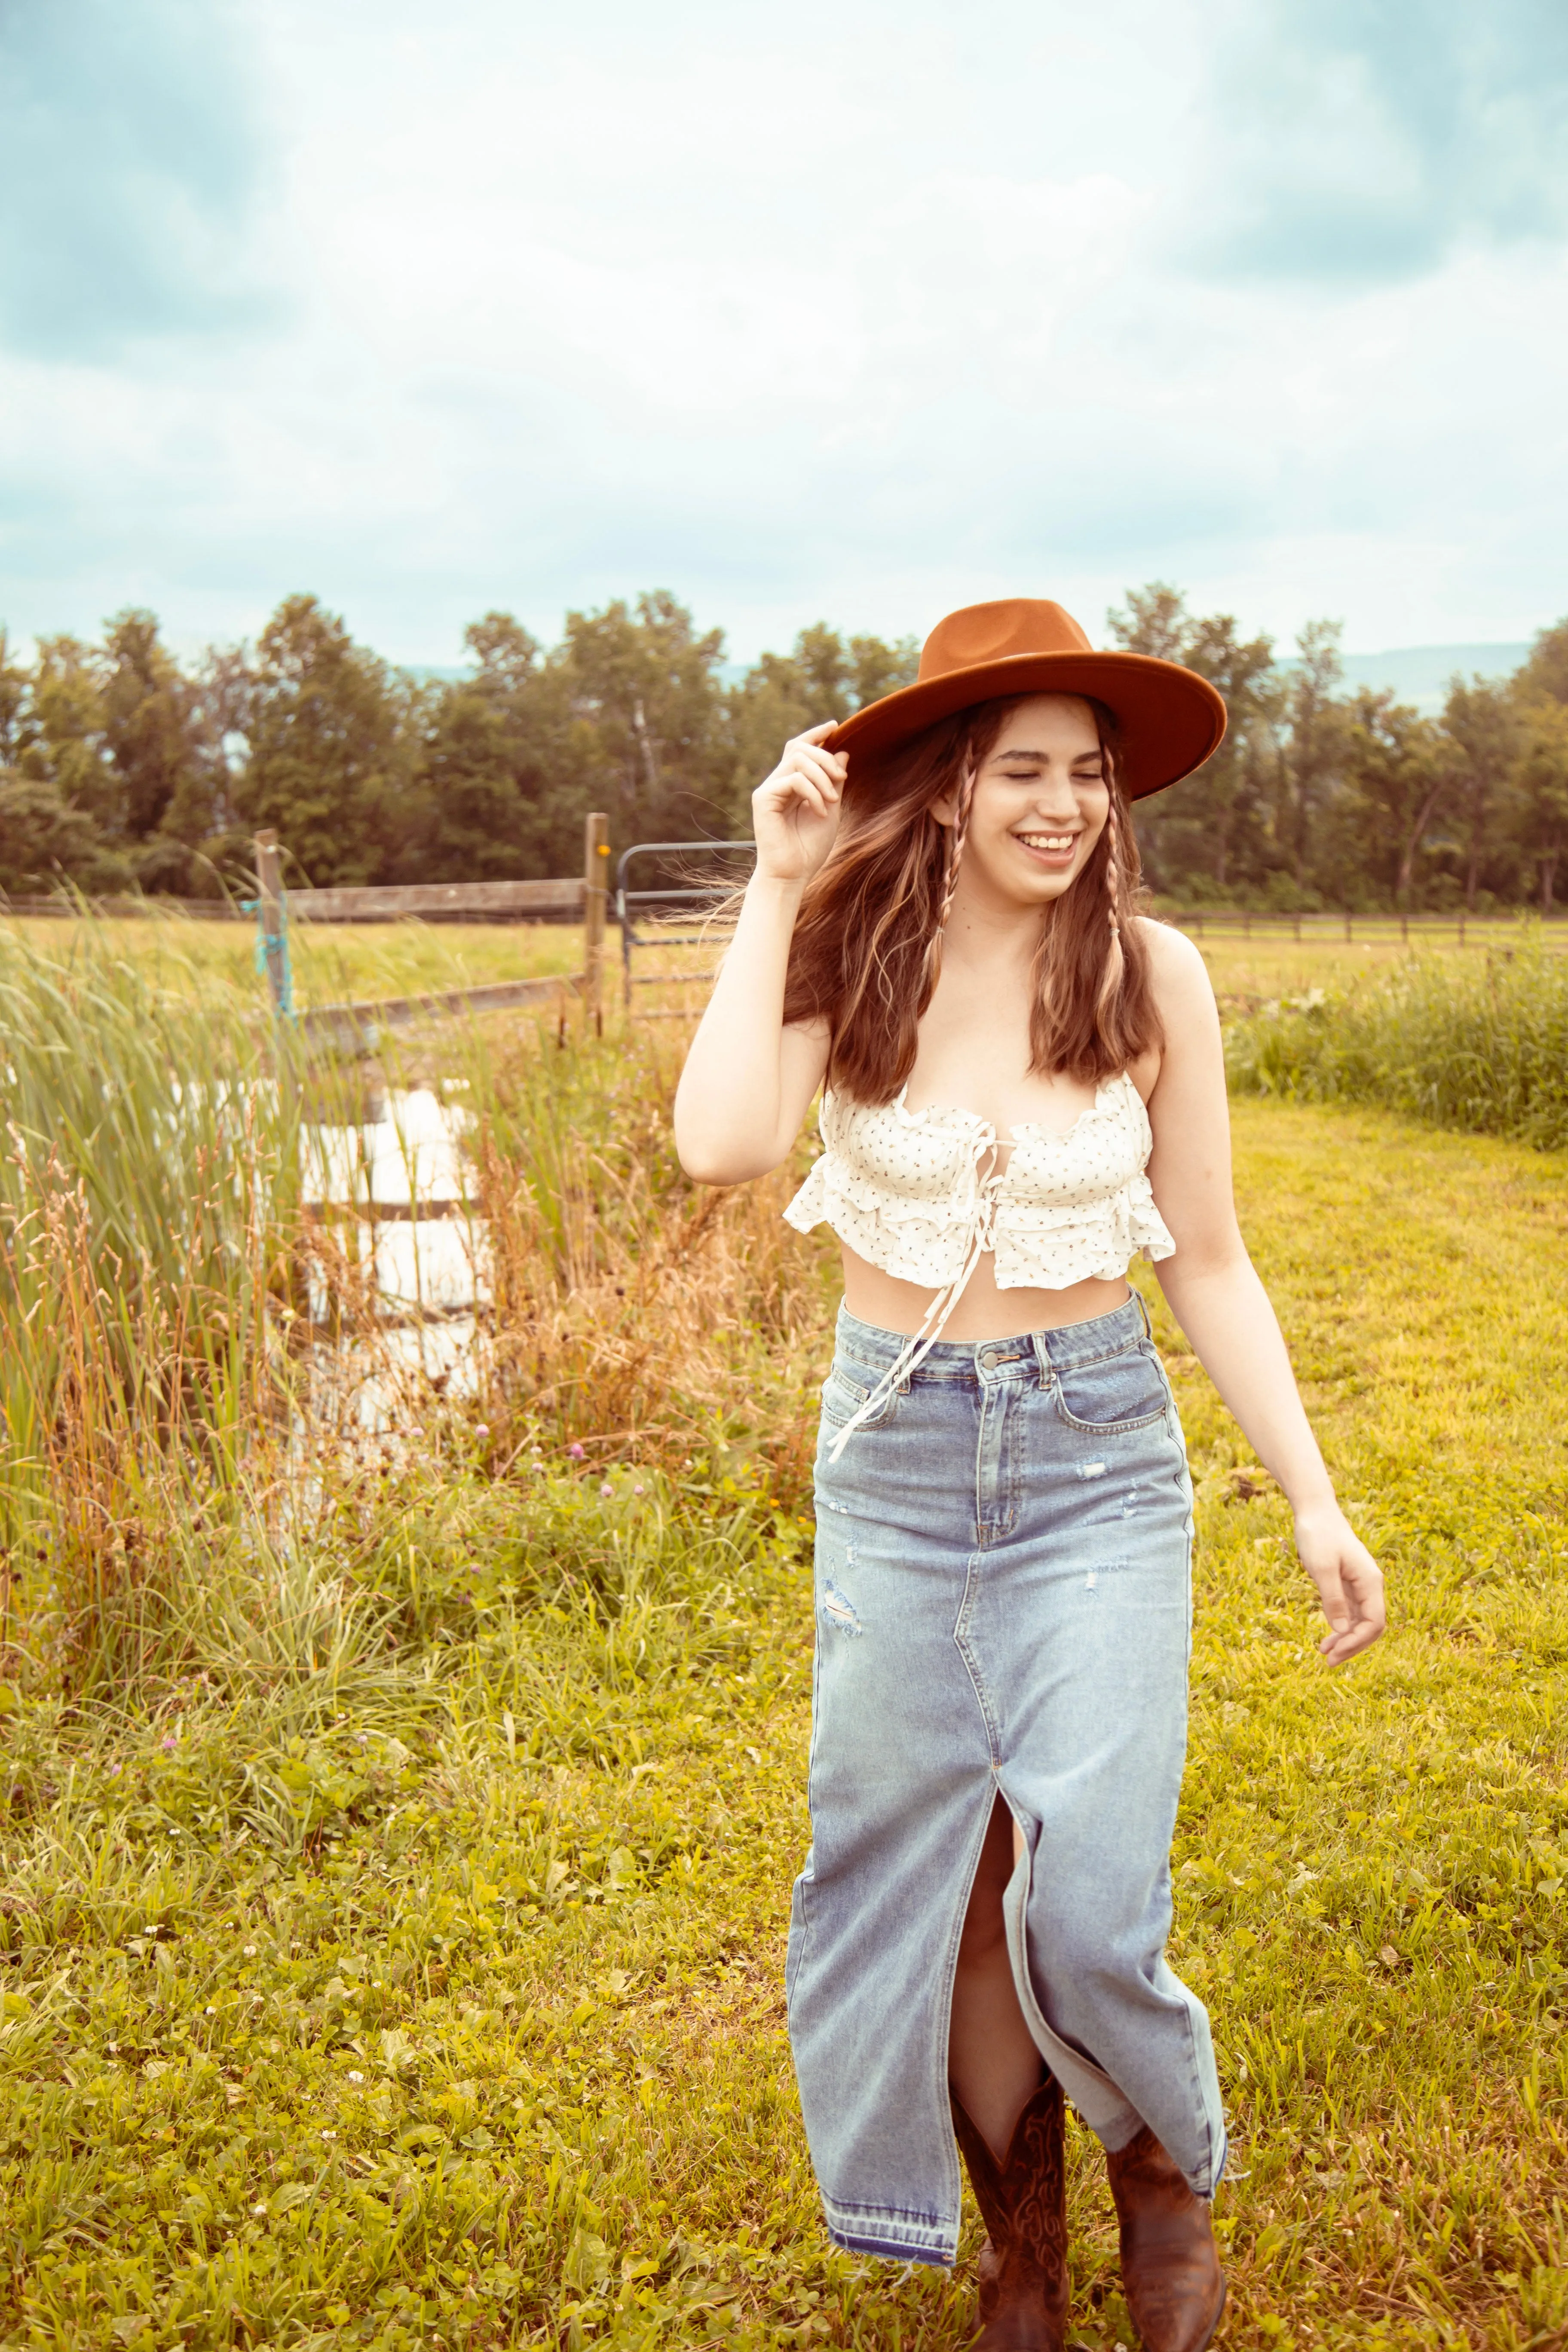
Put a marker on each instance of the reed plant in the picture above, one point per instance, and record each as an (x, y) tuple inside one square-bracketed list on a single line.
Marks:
[(147, 1200), (1480, 1046)]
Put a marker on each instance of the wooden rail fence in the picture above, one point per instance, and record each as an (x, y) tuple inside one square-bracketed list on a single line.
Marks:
[(355, 1026)]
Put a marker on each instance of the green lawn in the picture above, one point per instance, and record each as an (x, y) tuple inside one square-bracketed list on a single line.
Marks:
[(1249, 973), (412, 1974), (333, 960)]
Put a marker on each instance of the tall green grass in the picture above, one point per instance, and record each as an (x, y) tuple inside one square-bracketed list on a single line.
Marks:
[(1479, 1046), (147, 1209), (165, 1393)]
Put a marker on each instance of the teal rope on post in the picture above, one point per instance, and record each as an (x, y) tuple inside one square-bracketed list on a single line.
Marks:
[(270, 944)]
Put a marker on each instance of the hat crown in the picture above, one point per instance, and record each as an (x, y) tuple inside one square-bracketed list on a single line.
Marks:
[(997, 631)]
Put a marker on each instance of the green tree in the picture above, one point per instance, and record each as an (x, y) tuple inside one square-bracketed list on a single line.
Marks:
[(63, 742), (648, 744), (1212, 830), (1399, 769), (825, 675), (331, 748), (14, 688), (43, 841), (158, 734), (1545, 674), (1541, 792), (1311, 752), (1482, 721), (64, 814), (500, 798)]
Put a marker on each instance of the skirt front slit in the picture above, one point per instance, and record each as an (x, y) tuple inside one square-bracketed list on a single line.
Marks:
[(1002, 1608)]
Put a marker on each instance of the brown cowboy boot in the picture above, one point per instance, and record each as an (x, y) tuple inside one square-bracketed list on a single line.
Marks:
[(1024, 2270), (1170, 2265)]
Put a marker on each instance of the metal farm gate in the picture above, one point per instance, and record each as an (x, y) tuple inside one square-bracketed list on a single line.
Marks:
[(662, 914)]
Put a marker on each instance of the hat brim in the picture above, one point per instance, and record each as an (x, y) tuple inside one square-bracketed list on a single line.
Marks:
[(1168, 719)]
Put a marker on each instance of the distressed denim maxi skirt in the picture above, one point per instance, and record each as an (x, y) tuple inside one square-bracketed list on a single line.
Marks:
[(1002, 1587)]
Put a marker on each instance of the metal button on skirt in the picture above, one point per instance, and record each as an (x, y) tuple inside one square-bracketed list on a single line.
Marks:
[(1003, 1606)]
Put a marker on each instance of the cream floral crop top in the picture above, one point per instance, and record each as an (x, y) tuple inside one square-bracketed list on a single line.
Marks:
[(918, 1194)]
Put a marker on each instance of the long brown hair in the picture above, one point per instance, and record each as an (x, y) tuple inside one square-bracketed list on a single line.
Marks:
[(867, 948)]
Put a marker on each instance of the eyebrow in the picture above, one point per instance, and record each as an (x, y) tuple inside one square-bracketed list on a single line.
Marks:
[(1018, 752)]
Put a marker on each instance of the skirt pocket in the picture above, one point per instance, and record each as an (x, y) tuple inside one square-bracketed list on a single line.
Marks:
[(845, 1392), (1124, 1391)]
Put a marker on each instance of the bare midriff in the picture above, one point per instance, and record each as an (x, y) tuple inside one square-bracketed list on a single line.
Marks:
[(983, 1312)]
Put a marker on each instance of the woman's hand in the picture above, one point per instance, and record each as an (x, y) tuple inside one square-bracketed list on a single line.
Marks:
[(794, 814), (1349, 1581)]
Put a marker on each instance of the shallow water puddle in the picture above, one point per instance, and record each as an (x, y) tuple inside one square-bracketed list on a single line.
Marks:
[(409, 1170), (419, 1240)]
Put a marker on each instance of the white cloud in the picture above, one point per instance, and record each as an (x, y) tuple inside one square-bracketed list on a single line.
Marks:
[(862, 315)]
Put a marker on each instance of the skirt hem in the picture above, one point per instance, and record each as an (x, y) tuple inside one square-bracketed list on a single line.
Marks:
[(858, 2237)]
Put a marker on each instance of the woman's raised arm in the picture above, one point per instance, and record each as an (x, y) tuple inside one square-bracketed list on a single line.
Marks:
[(748, 1080)]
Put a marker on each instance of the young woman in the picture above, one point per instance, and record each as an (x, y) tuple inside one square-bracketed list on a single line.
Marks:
[(1024, 1089)]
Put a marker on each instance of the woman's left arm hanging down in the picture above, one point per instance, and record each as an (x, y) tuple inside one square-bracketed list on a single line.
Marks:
[(1216, 1294)]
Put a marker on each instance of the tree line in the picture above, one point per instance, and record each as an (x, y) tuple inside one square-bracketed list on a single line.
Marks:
[(122, 768)]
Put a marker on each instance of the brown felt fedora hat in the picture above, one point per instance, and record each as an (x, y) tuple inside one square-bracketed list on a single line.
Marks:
[(1168, 719)]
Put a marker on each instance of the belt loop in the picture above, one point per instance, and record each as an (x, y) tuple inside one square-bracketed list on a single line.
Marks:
[(1043, 1357), (1148, 1326)]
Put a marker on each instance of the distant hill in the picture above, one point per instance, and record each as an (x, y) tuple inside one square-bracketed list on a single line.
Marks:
[(1420, 673)]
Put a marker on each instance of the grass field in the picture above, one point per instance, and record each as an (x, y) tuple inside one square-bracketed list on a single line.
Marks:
[(333, 961), (1247, 974), (403, 1967)]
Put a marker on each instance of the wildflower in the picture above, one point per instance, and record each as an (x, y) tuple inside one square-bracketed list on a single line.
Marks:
[(258, 2208), (606, 1488), (639, 1490), (355, 2074), (250, 1951), (576, 1453), (169, 1745), (329, 2135), (482, 1429), (211, 2009)]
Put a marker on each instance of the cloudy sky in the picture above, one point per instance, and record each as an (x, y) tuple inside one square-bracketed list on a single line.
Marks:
[(849, 308)]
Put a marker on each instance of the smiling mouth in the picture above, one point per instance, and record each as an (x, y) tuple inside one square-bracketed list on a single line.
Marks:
[(1048, 845)]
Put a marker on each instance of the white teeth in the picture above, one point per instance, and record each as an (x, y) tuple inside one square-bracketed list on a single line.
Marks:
[(1046, 840)]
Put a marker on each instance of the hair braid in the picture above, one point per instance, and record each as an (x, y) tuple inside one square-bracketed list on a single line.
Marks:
[(1115, 961), (957, 835)]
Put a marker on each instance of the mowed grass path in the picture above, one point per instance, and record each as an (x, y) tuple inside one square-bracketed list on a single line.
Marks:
[(494, 2053)]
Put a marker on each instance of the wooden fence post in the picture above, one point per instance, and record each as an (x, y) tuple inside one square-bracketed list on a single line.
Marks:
[(271, 914), (596, 893)]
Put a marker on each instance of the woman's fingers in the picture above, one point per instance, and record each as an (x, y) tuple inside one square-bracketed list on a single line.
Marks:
[(820, 775), (801, 778), (807, 746), (1352, 1601)]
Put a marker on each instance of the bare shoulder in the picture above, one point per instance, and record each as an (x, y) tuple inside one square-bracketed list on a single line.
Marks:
[(1180, 976)]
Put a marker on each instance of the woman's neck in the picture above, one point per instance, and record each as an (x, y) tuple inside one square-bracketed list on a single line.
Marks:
[(989, 934)]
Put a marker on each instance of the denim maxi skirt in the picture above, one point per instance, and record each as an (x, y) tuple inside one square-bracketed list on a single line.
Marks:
[(1002, 1587)]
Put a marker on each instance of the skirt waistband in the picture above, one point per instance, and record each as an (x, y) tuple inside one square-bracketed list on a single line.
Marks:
[(1059, 1348)]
